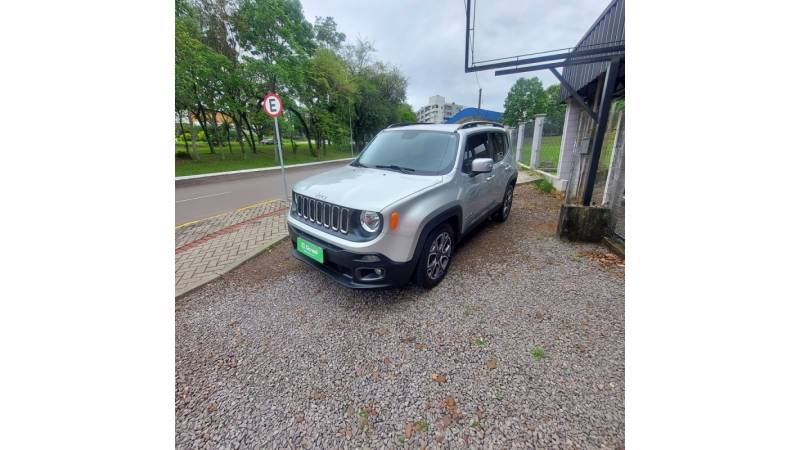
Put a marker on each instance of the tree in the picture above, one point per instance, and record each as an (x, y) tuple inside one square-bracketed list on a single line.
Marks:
[(526, 98), (406, 113), (327, 95), (326, 34)]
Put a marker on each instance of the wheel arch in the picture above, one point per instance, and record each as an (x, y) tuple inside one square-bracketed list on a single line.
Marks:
[(452, 216)]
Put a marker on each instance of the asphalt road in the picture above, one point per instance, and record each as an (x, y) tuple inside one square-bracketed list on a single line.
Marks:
[(205, 197)]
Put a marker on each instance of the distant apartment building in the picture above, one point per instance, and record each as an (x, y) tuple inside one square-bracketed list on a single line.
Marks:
[(437, 111)]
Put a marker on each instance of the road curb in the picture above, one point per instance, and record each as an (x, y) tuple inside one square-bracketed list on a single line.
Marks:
[(181, 295), (245, 173)]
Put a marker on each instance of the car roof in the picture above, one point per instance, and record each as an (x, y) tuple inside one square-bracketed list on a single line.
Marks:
[(448, 127)]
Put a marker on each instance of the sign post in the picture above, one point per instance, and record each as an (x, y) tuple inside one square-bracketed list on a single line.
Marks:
[(273, 106)]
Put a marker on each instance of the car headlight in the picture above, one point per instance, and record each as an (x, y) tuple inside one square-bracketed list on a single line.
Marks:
[(370, 221)]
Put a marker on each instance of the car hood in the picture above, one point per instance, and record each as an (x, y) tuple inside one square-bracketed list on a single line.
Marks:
[(363, 188)]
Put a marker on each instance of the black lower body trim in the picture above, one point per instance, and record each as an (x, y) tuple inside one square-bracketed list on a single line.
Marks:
[(354, 270)]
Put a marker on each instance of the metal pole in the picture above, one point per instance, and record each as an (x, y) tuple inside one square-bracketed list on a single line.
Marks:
[(600, 128), (480, 92), (280, 154)]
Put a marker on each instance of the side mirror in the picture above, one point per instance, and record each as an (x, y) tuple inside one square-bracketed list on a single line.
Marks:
[(481, 165)]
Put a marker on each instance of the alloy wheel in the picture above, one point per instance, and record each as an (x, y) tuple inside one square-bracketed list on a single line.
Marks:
[(439, 255)]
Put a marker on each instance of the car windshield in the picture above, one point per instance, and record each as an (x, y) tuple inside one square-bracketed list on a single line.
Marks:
[(418, 152)]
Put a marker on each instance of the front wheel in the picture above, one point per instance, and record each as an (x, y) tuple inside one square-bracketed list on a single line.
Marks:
[(435, 259), (501, 215)]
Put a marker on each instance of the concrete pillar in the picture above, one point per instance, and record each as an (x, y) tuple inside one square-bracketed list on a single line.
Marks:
[(617, 156), (538, 128), (568, 143), (520, 137)]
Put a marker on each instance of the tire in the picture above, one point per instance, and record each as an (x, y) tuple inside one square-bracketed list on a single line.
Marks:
[(439, 246), (502, 213)]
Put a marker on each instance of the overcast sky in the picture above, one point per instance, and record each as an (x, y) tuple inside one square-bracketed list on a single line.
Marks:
[(425, 39)]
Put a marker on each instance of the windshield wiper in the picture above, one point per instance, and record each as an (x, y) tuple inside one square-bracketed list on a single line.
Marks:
[(395, 167), (357, 164)]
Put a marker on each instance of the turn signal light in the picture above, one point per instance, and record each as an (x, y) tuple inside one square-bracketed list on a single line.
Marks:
[(393, 220)]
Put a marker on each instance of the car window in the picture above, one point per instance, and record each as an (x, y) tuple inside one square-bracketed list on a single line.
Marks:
[(499, 146), (477, 147), (423, 152)]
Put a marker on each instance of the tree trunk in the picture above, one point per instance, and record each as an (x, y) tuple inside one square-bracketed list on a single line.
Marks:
[(228, 136), (216, 132), (248, 136), (250, 129), (239, 136), (305, 127), (202, 119), (194, 139), (183, 135)]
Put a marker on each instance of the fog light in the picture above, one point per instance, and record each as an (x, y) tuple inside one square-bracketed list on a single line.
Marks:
[(370, 274)]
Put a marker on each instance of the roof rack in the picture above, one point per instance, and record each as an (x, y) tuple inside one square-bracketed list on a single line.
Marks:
[(479, 122), (407, 124)]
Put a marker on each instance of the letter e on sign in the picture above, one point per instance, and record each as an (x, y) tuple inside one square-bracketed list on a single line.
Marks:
[(273, 105)]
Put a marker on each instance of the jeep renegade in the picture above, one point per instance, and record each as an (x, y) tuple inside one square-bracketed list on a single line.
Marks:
[(396, 212)]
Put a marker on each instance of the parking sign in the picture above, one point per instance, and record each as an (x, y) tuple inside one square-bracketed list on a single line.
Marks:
[(273, 105)]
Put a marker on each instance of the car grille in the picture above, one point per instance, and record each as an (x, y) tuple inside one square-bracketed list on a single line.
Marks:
[(330, 216)]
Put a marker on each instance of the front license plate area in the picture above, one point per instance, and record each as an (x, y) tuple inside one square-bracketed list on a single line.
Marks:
[(311, 250)]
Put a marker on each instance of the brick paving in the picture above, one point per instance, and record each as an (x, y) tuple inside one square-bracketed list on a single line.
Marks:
[(206, 249)]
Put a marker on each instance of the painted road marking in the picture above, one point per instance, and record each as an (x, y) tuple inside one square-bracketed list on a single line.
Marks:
[(243, 208), (202, 196)]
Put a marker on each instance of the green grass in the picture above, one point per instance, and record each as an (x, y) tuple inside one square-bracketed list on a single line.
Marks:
[(544, 185), (422, 426), (265, 157), (551, 149), (537, 353), (480, 342), (548, 153)]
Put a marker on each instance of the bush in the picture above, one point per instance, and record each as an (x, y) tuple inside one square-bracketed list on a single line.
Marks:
[(182, 155), (544, 185)]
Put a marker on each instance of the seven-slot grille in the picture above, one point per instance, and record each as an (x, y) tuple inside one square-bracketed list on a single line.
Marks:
[(329, 216)]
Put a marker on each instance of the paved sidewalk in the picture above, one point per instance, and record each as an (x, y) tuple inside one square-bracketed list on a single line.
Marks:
[(207, 248)]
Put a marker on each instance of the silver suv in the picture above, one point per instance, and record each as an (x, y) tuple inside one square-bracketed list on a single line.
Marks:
[(396, 212)]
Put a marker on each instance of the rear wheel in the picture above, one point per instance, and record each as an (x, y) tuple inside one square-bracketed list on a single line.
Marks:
[(435, 258), (501, 215)]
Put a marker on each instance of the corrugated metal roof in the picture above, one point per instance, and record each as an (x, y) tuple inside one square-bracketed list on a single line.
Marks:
[(607, 30)]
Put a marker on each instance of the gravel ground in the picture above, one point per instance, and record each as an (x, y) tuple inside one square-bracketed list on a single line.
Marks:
[(275, 355)]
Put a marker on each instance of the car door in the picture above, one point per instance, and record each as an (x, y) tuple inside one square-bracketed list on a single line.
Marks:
[(477, 187), (502, 166)]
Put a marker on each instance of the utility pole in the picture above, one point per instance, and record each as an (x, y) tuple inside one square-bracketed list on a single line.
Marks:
[(480, 93)]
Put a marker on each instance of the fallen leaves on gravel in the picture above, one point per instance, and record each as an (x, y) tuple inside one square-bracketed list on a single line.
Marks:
[(420, 346), (606, 259), (408, 430), (491, 363), (318, 395), (381, 331), (407, 339), (213, 407), (300, 419), (449, 405), (439, 378)]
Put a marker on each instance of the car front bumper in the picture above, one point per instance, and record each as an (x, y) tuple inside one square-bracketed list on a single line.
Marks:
[(354, 270)]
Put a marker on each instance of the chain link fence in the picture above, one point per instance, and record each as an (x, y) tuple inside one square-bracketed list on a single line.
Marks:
[(549, 145)]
